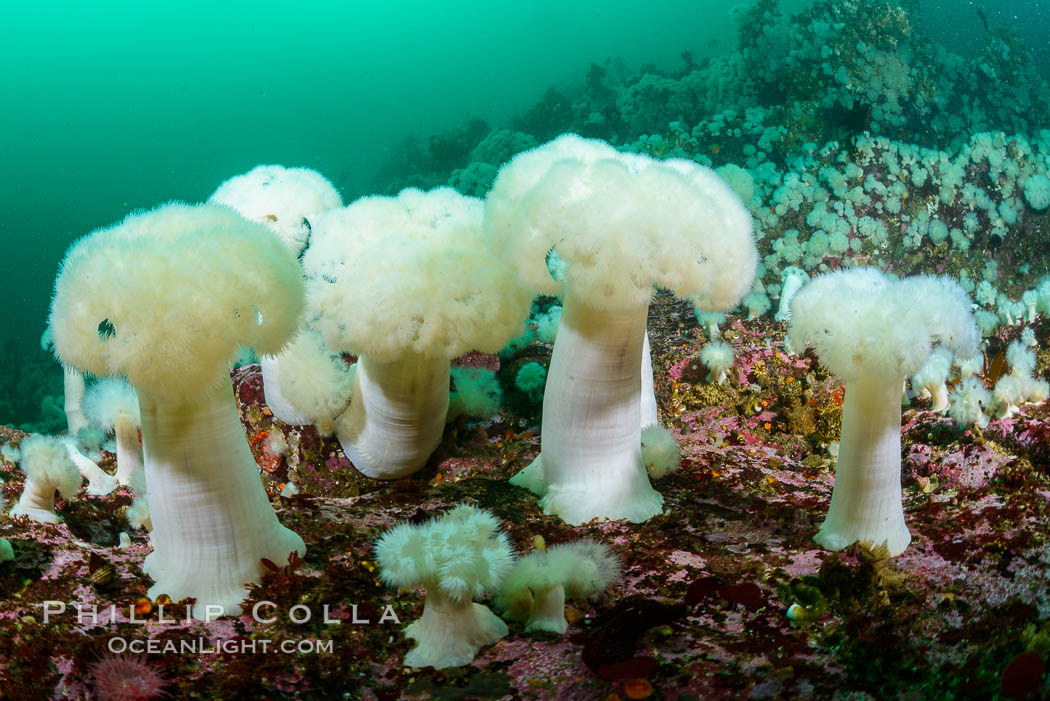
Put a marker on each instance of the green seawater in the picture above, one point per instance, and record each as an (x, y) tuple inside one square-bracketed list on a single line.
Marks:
[(106, 107)]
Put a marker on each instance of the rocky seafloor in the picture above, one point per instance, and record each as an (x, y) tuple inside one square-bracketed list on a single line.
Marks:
[(700, 611)]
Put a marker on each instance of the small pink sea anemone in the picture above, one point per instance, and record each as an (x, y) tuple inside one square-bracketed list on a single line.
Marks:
[(126, 678)]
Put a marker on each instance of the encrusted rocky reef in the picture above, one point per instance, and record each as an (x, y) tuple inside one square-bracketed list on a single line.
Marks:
[(701, 611)]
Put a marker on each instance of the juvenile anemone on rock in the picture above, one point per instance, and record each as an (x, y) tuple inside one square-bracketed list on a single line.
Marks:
[(126, 678), (537, 587)]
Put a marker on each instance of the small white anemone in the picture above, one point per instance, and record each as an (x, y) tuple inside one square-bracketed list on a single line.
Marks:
[(968, 367), (113, 404), (531, 379), (48, 468), (10, 453), (969, 401), (275, 445), (717, 357), (710, 321), (477, 393), (137, 513), (932, 378), (792, 278), (536, 588), (757, 304), (660, 451), (458, 557), (547, 324), (307, 382)]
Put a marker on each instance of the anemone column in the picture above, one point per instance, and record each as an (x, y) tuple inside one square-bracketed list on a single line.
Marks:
[(590, 464), (450, 632), (212, 521), (129, 455), (866, 500), (396, 416), (649, 415), (73, 393)]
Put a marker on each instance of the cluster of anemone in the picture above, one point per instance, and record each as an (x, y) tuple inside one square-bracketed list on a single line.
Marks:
[(275, 263), (821, 201), (855, 204), (972, 403), (408, 283), (102, 414), (973, 180), (1019, 386), (463, 556), (405, 284), (52, 454)]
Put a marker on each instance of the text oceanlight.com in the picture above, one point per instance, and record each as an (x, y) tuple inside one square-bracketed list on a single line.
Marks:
[(204, 646), (263, 613)]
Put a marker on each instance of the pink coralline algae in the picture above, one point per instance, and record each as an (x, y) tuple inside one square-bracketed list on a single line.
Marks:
[(969, 467), (337, 462)]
